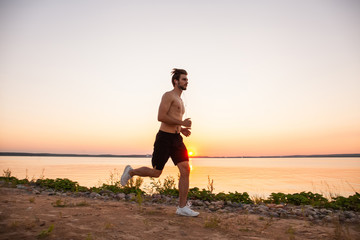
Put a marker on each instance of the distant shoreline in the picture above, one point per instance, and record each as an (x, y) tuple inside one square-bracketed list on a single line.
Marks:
[(25, 154)]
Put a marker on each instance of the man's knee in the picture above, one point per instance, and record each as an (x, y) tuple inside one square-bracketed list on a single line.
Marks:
[(184, 168)]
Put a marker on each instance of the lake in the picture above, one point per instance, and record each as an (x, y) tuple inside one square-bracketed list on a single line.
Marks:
[(257, 176)]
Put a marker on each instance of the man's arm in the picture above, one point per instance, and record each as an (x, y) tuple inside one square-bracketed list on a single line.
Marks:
[(185, 131), (163, 113)]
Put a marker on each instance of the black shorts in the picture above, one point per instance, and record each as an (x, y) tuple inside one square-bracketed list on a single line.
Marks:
[(168, 145)]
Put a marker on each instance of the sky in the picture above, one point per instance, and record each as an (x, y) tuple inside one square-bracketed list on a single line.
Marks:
[(265, 77)]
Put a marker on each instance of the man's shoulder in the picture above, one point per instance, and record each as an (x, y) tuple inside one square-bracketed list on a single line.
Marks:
[(169, 94)]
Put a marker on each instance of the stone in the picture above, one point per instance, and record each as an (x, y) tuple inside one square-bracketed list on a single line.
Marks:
[(94, 195), (21, 186), (130, 196), (212, 208), (120, 196), (36, 192), (328, 219), (273, 214), (310, 212), (325, 211), (349, 214), (198, 203), (298, 212), (105, 192)]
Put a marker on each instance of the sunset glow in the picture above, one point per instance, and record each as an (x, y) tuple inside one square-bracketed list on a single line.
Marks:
[(265, 78)]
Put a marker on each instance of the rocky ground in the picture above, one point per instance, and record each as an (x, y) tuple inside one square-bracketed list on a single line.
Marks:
[(29, 212)]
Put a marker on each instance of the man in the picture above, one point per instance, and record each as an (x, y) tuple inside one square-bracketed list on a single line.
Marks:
[(169, 142)]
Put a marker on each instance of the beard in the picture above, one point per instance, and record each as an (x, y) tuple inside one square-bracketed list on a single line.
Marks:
[(182, 87)]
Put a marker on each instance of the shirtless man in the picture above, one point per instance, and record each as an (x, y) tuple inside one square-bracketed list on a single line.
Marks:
[(169, 142)]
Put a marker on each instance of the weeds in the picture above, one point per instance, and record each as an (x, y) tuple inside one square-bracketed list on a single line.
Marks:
[(59, 203), (139, 199), (341, 233), (62, 203), (210, 186), (212, 222), (169, 187), (32, 199), (291, 232), (7, 173), (45, 233)]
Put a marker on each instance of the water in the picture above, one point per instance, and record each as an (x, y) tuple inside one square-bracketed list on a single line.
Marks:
[(257, 176)]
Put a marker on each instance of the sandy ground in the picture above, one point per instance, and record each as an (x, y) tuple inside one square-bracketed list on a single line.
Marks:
[(24, 216)]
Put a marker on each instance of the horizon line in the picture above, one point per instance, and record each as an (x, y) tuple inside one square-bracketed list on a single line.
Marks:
[(150, 155)]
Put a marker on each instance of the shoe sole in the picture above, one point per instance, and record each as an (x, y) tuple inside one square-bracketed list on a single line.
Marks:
[(125, 170)]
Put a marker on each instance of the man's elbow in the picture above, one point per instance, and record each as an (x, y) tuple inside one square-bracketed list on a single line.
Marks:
[(160, 118)]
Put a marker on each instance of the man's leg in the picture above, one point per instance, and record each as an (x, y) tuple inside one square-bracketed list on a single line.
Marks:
[(145, 172), (129, 172), (184, 169)]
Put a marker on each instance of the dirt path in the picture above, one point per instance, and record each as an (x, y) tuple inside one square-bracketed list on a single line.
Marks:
[(24, 216)]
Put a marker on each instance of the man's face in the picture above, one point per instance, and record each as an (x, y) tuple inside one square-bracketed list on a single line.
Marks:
[(183, 82)]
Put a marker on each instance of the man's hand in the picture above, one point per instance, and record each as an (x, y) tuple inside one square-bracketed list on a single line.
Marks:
[(187, 123), (185, 131)]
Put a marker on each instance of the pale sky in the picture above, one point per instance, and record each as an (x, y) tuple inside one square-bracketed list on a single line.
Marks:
[(265, 77)]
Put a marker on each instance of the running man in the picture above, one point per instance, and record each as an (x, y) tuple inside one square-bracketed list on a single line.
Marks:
[(169, 142)]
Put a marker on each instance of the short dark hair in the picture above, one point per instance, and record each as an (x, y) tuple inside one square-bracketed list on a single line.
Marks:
[(176, 74)]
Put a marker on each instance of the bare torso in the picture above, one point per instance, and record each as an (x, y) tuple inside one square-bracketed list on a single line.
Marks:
[(176, 110)]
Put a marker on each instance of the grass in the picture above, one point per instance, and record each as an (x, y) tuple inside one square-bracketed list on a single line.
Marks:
[(62, 203), (46, 233), (168, 187), (291, 232), (212, 222)]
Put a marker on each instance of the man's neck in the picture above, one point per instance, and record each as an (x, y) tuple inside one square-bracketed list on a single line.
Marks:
[(177, 91)]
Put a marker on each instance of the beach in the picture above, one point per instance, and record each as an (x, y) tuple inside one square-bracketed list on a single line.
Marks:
[(49, 215)]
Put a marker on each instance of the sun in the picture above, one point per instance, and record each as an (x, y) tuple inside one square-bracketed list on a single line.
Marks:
[(191, 153)]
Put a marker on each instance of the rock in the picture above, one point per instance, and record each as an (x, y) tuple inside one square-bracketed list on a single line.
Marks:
[(273, 214), (235, 204), (21, 186), (328, 219), (271, 205), (35, 191), (251, 211), (310, 212), (349, 214), (310, 218), (262, 208), (212, 208), (198, 203), (299, 212), (156, 196), (229, 203), (94, 195), (282, 213), (207, 203), (105, 192), (130, 196), (325, 211), (120, 196)]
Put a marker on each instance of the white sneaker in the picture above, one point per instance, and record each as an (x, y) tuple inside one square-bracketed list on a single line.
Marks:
[(186, 211), (125, 176)]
